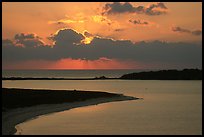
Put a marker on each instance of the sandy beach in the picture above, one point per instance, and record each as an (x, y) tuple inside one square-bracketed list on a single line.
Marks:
[(15, 116)]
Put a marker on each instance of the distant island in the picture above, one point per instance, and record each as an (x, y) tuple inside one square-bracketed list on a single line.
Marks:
[(185, 74), (173, 74)]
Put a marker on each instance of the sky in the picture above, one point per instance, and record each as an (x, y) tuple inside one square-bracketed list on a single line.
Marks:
[(101, 35)]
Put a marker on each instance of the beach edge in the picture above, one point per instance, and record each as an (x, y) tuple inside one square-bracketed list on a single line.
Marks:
[(16, 116)]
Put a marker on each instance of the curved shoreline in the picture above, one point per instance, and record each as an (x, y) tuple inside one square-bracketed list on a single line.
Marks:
[(16, 116)]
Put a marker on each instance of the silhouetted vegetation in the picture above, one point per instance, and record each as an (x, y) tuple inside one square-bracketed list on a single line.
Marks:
[(185, 74), (102, 77), (14, 98)]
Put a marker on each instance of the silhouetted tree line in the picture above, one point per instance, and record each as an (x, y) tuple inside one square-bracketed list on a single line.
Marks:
[(185, 74)]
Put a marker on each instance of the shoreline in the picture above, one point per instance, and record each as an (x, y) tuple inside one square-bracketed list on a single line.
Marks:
[(171, 74), (15, 116), (33, 78)]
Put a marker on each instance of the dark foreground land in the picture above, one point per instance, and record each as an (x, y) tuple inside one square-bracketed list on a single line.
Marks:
[(20, 105), (185, 74), (17, 98)]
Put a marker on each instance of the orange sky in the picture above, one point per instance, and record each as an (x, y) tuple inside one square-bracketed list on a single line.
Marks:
[(44, 19), (37, 17)]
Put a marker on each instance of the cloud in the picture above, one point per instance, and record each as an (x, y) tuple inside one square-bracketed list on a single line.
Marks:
[(178, 29), (69, 20), (139, 22), (181, 30), (66, 37), (119, 30), (151, 9), (7, 42), (87, 34), (68, 44), (119, 8), (28, 40), (78, 19), (101, 19), (23, 36), (160, 5), (197, 32)]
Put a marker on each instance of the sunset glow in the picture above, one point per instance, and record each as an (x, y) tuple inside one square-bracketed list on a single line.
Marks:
[(102, 68), (82, 35)]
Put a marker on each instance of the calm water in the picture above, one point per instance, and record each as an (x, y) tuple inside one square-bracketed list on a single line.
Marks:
[(66, 73), (169, 107)]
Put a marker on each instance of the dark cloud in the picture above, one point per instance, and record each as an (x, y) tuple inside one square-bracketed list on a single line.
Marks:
[(150, 10), (60, 23), (119, 29), (23, 36), (196, 32), (181, 30), (66, 37), (7, 42), (161, 5), (65, 47), (28, 40), (139, 22), (117, 8)]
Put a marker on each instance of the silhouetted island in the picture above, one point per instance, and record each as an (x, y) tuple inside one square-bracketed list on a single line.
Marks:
[(185, 74)]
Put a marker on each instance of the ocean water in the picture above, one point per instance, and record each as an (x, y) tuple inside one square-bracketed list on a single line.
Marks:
[(168, 107), (67, 73)]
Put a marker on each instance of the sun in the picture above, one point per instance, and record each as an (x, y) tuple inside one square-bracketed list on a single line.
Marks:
[(88, 37), (87, 40)]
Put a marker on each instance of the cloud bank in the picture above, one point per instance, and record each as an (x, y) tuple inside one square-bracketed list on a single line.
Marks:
[(182, 30), (139, 22), (119, 8), (68, 44)]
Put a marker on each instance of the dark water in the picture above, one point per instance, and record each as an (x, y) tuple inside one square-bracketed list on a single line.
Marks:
[(66, 73), (169, 107)]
